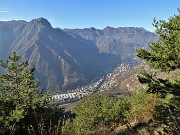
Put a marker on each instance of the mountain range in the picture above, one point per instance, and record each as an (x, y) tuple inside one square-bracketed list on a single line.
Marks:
[(68, 58)]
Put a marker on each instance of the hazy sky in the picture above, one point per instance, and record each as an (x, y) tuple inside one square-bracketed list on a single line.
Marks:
[(90, 13)]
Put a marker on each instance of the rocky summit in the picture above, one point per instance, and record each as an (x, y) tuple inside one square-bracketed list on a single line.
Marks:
[(68, 58)]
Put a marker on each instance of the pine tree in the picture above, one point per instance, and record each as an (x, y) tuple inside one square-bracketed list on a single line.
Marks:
[(22, 103), (165, 53), (163, 57)]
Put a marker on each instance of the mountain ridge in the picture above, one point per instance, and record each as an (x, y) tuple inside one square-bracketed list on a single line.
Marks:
[(64, 58)]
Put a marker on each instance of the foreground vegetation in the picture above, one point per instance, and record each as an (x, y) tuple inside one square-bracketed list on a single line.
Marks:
[(25, 109), (100, 114), (155, 107)]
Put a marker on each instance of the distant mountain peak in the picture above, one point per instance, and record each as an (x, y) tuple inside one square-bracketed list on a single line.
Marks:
[(92, 29), (108, 27), (41, 21)]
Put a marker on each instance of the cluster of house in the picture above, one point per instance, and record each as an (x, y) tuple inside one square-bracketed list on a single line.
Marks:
[(111, 78), (104, 83), (69, 96), (78, 93)]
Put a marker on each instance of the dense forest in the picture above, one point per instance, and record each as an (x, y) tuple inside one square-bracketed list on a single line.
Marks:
[(153, 109)]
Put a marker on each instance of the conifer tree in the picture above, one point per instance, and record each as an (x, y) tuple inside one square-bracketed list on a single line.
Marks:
[(163, 57), (165, 53), (22, 103)]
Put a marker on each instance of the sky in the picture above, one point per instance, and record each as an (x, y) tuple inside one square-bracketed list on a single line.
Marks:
[(90, 13)]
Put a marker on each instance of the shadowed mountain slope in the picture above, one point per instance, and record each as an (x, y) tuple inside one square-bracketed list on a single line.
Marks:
[(62, 61)]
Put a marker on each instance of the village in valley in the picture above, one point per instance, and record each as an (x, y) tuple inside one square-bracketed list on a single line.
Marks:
[(103, 84)]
